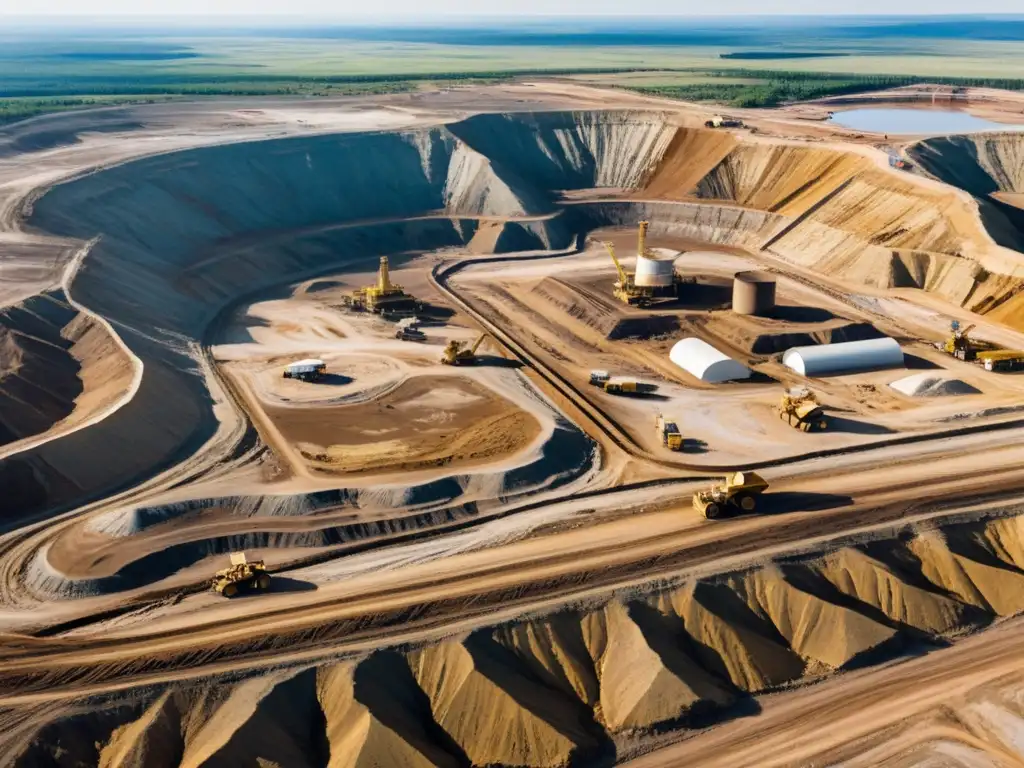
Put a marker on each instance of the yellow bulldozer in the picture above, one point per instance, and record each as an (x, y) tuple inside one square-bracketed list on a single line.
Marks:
[(739, 490), (801, 410), (459, 353), (243, 576)]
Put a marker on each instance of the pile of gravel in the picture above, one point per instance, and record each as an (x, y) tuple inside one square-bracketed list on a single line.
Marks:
[(931, 385)]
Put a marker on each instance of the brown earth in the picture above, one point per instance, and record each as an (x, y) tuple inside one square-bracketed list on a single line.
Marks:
[(427, 421), (574, 610)]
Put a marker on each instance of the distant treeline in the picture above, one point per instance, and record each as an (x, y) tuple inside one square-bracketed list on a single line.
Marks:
[(777, 88), (246, 84), (24, 96), (768, 55)]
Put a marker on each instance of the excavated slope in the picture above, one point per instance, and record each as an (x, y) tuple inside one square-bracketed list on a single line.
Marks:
[(562, 689), (182, 236)]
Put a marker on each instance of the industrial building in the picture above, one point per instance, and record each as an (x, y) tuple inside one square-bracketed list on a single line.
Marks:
[(846, 357), (704, 362)]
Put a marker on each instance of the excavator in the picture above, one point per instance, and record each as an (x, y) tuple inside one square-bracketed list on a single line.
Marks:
[(458, 353), (739, 490), (624, 290), (959, 343)]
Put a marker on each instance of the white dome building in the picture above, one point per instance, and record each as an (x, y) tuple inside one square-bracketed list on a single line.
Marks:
[(847, 357), (704, 362)]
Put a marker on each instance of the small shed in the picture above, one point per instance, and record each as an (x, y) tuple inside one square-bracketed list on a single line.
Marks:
[(704, 362), (846, 357)]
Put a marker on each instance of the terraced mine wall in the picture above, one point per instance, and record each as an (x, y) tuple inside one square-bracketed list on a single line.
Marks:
[(179, 237), (574, 687)]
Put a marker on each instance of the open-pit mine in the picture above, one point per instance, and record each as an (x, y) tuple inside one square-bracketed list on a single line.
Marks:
[(520, 425)]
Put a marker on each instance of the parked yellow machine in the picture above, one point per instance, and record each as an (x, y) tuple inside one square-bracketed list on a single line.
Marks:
[(739, 490), (458, 353), (801, 410), (959, 343), (669, 433), (629, 387), (243, 576)]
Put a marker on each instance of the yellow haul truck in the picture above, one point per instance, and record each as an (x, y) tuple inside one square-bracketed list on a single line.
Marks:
[(243, 576), (739, 490), (669, 433), (802, 411)]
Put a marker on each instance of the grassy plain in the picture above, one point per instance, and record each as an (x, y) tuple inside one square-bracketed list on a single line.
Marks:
[(745, 63)]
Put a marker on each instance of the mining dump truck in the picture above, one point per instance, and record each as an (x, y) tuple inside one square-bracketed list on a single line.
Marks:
[(669, 433), (305, 370), (457, 353), (599, 378), (243, 576), (802, 411), (740, 490), (629, 387)]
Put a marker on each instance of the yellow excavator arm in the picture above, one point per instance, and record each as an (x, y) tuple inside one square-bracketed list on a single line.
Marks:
[(477, 343), (641, 242), (623, 277)]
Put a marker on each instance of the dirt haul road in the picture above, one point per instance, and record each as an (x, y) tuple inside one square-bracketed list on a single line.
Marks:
[(492, 565)]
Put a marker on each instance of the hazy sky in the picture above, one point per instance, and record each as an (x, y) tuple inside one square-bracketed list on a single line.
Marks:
[(341, 9)]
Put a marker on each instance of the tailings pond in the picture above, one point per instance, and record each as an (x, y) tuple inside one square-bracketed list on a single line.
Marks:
[(916, 121)]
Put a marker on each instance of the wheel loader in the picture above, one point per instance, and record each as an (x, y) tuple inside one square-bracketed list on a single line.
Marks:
[(243, 576), (802, 411), (739, 490)]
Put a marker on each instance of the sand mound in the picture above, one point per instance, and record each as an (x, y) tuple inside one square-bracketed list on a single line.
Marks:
[(553, 690), (930, 385)]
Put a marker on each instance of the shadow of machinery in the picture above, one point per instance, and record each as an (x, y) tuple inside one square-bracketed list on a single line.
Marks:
[(693, 445), (784, 502), (279, 585), (497, 361), (856, 427)]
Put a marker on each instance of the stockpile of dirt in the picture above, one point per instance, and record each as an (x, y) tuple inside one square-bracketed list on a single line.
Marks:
[(562, 688), (424, 422), (931, 385)]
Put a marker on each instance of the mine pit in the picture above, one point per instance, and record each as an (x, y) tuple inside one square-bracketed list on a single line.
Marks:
[(495, 559)]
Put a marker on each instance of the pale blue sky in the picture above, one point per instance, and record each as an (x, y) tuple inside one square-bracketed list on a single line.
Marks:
[(342, 9)]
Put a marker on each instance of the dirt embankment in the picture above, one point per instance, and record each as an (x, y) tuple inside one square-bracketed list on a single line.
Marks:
[(58, 368), (568, 687)]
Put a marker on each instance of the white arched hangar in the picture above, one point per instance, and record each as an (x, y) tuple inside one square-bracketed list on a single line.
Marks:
[(847, 357), (704, 362)]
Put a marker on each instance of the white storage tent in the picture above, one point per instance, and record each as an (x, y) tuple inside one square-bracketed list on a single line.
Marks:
[(846, 357), (706, 363)]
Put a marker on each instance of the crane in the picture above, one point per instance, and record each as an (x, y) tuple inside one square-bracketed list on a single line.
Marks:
[(625, 282), (456, 353), (624, 290)]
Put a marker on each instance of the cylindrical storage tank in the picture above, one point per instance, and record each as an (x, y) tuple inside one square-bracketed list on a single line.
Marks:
[(654, 273), (845, 357), (753, 293)]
